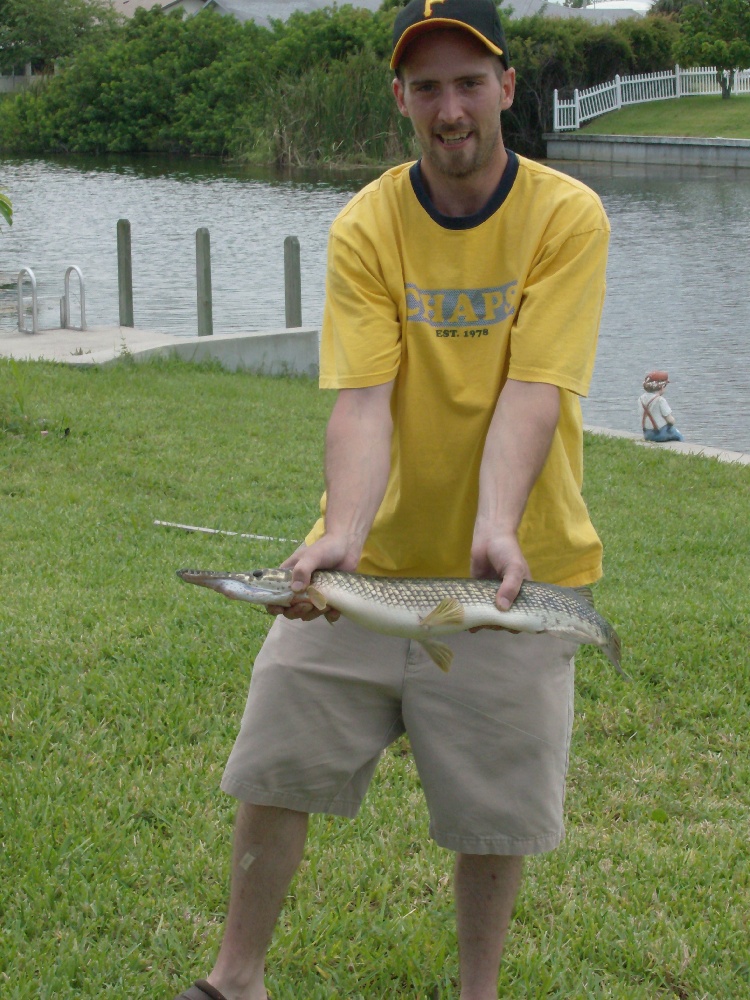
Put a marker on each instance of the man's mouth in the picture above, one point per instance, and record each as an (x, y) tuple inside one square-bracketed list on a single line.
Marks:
[(453, 138)]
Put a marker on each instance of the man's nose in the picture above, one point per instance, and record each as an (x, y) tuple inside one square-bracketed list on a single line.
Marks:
[(451, 108)]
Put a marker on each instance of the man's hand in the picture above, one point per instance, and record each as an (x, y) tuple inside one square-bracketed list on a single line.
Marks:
[(328, 552), (499, 557)]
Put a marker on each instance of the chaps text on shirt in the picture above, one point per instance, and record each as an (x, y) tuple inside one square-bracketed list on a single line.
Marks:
[(458, 308)]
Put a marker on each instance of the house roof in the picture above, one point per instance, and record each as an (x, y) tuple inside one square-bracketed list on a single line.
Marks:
[(129, 7), (595, 12), (261, 11)]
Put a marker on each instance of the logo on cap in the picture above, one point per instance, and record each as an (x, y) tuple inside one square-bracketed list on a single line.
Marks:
[(429, 4)]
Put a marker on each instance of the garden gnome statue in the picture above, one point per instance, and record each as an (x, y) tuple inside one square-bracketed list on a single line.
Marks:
[(656, 414)]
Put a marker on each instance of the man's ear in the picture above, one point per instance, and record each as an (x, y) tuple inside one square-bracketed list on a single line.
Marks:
[(398, 93), (508, 83)]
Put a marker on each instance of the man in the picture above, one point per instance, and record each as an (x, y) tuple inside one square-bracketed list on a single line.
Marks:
[(463, 300)]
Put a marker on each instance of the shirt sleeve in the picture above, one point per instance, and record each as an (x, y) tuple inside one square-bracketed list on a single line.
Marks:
[(361, 336), (555, 332)]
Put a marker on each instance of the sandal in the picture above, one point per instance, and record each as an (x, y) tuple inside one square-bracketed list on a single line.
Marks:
[(203, 990)]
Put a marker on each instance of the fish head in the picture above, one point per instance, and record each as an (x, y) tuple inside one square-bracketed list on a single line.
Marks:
[(259, 586)]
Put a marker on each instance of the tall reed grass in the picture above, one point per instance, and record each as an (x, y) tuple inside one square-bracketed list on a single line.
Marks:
[(340, 113)]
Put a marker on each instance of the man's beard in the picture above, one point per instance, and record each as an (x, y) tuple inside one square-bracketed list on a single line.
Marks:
[(456, 166)]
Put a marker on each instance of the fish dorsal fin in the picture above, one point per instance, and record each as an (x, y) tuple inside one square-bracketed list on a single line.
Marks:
[(438, 652), (448, 612), (316, 598), (586, 593)]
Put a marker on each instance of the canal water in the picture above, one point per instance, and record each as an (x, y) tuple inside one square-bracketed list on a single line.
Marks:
[(678, 280)]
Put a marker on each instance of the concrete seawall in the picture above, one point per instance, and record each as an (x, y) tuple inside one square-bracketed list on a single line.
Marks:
[(678, 447), (649, 150), (269, 352)]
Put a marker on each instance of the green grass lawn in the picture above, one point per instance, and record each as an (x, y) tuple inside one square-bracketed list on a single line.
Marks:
[(122, 690), (700, 117)]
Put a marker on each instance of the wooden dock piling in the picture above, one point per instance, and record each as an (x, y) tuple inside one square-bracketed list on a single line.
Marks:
[(125, 273), (203, 276), (292, 282)]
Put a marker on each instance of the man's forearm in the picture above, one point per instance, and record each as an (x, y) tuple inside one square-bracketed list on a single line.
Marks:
[(358, 455), (515, 451)]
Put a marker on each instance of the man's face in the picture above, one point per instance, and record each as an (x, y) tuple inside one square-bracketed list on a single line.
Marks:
[(454, 89)]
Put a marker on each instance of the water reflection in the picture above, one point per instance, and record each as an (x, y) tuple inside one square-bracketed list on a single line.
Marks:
[(678, 284)]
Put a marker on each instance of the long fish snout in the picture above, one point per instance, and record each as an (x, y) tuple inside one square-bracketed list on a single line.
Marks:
[(262, 586)]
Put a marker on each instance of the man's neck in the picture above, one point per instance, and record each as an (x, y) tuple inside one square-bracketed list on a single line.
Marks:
[(458, 197)]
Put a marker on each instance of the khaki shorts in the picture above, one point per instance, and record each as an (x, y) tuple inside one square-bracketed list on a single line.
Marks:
[(490, 739)]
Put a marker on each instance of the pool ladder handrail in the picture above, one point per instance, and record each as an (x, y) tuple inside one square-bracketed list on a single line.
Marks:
[(34, 306), (65, 323)]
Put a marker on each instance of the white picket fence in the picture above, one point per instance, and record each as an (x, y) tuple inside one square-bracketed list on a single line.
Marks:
[(623, 90)]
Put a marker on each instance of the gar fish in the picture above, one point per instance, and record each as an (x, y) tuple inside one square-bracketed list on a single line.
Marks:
[(423, 609)]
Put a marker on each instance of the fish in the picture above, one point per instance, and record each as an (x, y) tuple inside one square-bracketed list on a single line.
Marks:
[(426, 608)]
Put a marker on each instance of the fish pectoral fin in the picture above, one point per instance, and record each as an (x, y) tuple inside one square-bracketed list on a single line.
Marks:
[(316, 598), (448, 612), (438, 652)]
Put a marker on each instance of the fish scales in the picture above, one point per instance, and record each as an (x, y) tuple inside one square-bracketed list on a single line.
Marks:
[(424, 608), (411, 592)]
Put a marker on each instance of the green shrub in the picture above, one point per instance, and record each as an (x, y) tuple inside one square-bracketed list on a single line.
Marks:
[(652, 43)]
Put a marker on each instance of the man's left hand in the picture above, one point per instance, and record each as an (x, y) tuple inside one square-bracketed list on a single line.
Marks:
[(500, 557)]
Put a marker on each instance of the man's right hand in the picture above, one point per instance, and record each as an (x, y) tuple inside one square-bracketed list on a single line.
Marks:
[(328, 552)]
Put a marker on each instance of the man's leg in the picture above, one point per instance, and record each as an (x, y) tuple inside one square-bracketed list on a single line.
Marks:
[(486, 886), (268, 846)]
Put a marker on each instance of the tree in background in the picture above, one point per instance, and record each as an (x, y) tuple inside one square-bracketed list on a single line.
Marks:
[(41, 31), (716, 33)]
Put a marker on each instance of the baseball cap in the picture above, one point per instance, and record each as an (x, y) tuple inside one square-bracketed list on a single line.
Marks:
[(480, 17)]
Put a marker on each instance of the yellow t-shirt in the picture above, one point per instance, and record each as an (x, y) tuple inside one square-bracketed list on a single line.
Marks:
[(450, 308)]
